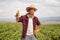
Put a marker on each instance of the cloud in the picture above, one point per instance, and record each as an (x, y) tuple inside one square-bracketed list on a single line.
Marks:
[(46, 8), (30, 1), (52, 3), (9, 9)]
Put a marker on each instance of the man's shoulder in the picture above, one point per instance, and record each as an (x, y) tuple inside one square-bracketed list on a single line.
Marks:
[(24, 16), (35, 17)]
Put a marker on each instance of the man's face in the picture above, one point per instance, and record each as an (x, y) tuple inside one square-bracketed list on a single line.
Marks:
[(32, 11)]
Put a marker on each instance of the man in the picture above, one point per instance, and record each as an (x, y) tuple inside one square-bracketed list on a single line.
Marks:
[(29, 22)]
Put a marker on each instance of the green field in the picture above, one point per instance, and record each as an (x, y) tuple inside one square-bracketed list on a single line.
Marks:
[(13, 31)]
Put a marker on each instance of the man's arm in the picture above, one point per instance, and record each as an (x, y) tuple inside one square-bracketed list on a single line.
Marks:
[(17, 19), (17, 16), (38, 26), (37, 29)]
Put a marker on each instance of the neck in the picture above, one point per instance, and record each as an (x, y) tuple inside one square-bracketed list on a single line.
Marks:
[(30, 15)]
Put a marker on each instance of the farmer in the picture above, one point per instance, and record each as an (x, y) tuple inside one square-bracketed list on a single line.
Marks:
[(29, 22)]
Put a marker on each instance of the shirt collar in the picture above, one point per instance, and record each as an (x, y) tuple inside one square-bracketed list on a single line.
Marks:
[(28, 16)]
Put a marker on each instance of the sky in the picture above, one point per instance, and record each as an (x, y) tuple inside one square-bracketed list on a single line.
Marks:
[(46, 8)]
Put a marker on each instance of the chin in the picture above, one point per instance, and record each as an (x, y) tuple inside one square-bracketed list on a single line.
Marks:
[(32, 13)]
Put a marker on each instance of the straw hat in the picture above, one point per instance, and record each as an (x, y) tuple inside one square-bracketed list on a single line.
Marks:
[(31, 7)]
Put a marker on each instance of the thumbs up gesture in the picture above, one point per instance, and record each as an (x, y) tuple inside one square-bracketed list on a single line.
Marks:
[(17, 16)]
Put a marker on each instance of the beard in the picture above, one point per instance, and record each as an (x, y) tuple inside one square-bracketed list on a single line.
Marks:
[(31, 15)]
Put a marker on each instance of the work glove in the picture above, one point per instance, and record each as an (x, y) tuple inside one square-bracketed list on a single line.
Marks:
[(36, 31), (17, 14)]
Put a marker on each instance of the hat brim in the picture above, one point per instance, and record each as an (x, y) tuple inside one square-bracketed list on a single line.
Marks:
[(29, 8)]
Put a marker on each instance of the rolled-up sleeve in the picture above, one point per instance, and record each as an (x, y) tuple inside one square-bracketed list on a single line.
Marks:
[(38, 22), (20, 19)]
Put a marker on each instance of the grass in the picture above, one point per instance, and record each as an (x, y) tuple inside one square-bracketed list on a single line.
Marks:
[(13, 31)]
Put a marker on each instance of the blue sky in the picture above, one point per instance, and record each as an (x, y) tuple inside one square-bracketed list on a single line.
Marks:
[(46, 8)]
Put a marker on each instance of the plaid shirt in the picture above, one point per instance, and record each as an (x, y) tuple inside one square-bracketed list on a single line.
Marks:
[(24, 19)]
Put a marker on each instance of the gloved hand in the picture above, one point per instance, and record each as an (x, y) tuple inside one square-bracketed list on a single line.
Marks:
[(17, 14), (36, 31)]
